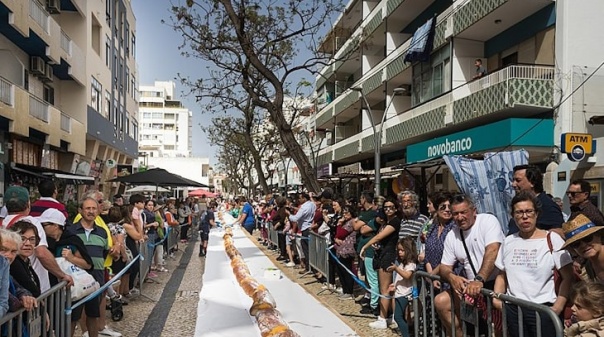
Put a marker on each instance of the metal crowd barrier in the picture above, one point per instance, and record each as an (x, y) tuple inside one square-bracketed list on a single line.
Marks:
[(53, 302), (318, 255), (427, 322), (173, 239), (273, 236)]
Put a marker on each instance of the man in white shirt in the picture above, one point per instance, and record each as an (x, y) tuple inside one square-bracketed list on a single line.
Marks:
[(479, 236), (18, 207)]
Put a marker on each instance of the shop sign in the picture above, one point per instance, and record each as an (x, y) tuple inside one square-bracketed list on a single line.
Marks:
[(577, 145), (352, 168), (323, 170), (508, 132)]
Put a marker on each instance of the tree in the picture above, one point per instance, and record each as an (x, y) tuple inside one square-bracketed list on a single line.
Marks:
[(253, 46)]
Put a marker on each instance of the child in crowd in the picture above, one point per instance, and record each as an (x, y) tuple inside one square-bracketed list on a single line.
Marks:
[(588, 309), (403, 277)]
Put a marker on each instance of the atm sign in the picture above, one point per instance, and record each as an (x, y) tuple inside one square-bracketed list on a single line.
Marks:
[(577, 145)]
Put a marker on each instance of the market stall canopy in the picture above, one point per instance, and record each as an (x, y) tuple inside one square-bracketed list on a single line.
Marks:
[(201, 191), (147, 188), (157, 177), (46, 173)]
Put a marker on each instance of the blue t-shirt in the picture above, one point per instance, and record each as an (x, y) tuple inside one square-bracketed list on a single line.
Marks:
[(249, 211)]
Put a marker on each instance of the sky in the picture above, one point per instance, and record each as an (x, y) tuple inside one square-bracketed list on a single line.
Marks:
[(159, 59)]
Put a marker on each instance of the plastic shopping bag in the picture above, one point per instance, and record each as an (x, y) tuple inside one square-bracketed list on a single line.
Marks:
[(83, 283)]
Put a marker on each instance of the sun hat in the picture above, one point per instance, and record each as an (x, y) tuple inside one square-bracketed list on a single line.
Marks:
[(577, 229), (52, 215)]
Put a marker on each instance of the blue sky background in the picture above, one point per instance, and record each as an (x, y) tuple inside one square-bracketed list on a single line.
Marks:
[(159, 59)]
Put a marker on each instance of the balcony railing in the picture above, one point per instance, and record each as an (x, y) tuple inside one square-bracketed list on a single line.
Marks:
[(65, 43), (6, 92), (65, 123), (39, 14), (38, 108), (529, 72)]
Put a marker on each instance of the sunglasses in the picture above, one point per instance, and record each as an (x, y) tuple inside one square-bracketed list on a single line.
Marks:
[(585, 240), (389, 207), (572, 194), (444, 207)]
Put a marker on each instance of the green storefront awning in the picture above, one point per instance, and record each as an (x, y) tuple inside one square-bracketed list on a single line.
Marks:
[(508, 132)]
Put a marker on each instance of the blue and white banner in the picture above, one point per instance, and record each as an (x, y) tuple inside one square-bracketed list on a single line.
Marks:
[(488, 182)]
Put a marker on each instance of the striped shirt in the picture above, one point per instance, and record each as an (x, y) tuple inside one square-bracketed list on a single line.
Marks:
[(412, 226), (96, 242)]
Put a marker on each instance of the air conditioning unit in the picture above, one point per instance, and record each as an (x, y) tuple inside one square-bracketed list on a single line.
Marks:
[(37, 66), (48, 74), (53, 6)]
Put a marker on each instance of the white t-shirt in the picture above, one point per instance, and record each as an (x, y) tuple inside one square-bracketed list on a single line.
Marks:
[(35, 262), (529, 265), (486, 230), (403, 286)]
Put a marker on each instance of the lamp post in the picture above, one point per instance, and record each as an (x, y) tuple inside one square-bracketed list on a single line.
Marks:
[(377, 133)]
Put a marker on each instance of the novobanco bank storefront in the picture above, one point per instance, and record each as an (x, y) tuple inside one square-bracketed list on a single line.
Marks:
[(533, 135)]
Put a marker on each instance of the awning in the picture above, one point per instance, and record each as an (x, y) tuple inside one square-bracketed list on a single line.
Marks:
[(42, 172)]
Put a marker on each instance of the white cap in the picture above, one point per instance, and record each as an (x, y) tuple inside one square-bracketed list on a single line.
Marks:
[(53, 215)]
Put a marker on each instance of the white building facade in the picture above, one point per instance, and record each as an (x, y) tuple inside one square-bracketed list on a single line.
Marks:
[(165, 123), (536, 53)]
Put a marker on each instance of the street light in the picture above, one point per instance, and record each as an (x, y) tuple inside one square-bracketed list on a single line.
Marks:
[(377, 134)]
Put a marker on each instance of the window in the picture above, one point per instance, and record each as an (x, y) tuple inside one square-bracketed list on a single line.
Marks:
[(107, 109), (127, 80), (431, 78), (114, 114), (107, 51), (95, 95), (146, 115), (25, 79), (49, 94), (158, 115), (133, 46), (127, 39), (127, 124), (108, 12)]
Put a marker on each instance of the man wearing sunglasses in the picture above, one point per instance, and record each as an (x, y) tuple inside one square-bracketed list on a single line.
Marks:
[(578, 193), (529, 178)]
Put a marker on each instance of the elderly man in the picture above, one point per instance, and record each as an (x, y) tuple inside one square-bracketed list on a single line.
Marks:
[(474, 243), (578, 193), (529, 178), (412, 220)]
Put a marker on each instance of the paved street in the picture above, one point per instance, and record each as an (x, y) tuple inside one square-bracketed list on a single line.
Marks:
[(171, 309)]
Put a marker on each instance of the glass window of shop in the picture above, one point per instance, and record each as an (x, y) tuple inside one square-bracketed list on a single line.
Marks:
[(431, 78)]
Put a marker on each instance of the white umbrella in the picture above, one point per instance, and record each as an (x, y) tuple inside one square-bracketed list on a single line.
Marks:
[(147, 188)]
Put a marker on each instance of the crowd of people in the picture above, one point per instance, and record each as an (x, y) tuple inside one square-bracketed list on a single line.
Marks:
[(103, 239), (545, 256)]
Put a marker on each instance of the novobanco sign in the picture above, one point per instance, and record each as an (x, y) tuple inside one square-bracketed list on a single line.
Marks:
[(448, 147), (509, 132)]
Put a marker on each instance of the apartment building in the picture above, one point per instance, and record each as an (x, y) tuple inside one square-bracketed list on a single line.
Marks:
[(68, 79), (165, 123), (412, 64)]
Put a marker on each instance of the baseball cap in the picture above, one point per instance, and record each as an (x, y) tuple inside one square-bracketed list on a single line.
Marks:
[(54, 216), (19, 193)]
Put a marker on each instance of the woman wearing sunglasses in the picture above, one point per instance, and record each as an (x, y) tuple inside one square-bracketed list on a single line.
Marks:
[(526, 261), (585, 240), (385, 256), (435, 237)]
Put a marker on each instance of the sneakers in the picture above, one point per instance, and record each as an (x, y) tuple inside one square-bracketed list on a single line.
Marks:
[(380, 323), (344, 297), (339, 290), (290, 264), (107, 331), (134, 292), (328, 286)]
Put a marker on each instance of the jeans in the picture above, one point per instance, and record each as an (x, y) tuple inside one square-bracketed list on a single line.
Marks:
[(400, 305), (371, 275), (184, 231), (304, 243), (529, 322)]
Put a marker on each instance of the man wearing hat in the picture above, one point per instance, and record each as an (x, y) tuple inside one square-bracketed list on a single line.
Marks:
[(18, 206), (62, 243)]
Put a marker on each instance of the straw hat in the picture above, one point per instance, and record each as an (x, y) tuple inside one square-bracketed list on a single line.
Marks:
[(578, 228)]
